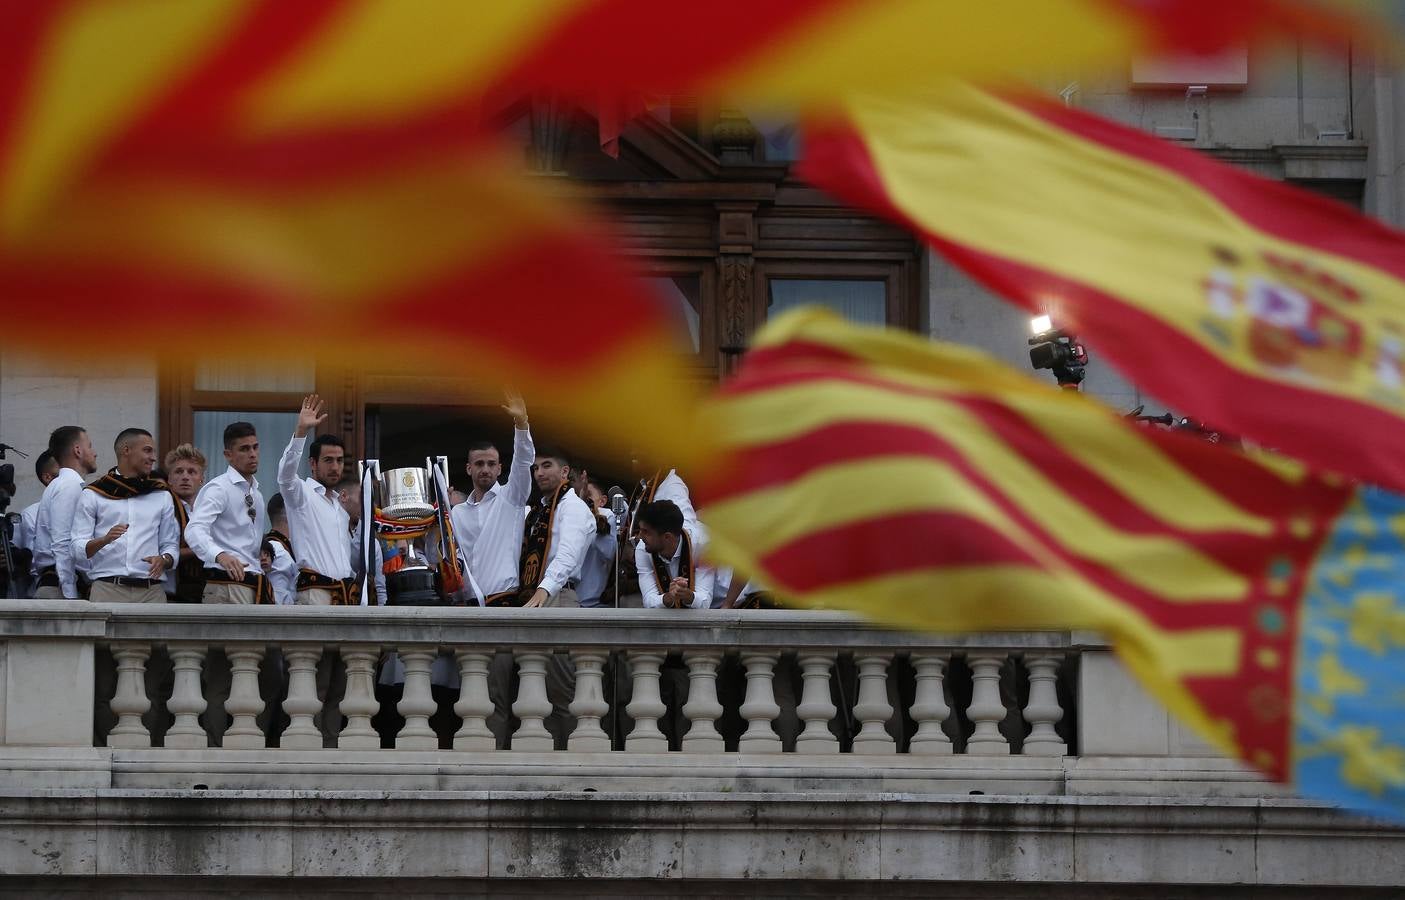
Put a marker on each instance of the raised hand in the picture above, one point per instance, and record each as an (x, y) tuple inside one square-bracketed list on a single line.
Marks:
[(515, 406), (310, 415)]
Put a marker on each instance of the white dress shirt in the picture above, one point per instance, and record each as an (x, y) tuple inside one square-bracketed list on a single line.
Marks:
[(572, 530), (220, 521), (151, 531), (316, 518), (468, 519), (595, 572), (283, 575), (671, 487), (24, 530), (489, 532), (53, 530), (649, 585)]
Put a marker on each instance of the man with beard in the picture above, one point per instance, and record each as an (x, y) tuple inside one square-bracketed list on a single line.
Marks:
[(126, 524), (185, 475), (488, 525), (318, 523), (55, 558)]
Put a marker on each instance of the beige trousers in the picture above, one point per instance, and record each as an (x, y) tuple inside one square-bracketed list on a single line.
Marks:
[(229, 593), (49, 593), (313, 596), (107, 592)]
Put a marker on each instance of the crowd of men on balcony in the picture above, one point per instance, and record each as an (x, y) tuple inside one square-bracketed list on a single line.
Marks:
[(143, 534)]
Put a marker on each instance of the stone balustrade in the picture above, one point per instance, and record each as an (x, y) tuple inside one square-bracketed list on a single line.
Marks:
[(641, 682), (458, 747)]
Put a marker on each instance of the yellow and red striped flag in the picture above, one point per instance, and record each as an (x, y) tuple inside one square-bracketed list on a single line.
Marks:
[(311, 179), (1260, 308), (929, 487)]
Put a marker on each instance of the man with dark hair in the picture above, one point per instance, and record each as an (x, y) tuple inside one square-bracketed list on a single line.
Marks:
[(558, 530), (317, 520), (667, 559), (488, 525), (56, 561), (600, 555), (282, 568), (46, 469), (227, 525), (126, 524)]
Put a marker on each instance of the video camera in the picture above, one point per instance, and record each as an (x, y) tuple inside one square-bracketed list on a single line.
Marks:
[(1053, 349)]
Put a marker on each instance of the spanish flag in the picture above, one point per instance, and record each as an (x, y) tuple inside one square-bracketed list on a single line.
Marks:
[(1257, 307), (929, 487)]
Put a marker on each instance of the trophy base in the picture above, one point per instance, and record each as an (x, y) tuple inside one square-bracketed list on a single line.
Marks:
[(413, 587)]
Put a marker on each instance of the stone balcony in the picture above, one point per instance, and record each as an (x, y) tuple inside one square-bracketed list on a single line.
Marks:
[(144, 744)]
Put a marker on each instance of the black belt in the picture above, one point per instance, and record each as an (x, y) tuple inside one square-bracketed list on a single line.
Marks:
[(504, 598), (124, 581), (346, 591), (263, 588)]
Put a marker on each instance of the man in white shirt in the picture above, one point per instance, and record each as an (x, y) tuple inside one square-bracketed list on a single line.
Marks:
[(46, 469), (317, 520), (661, 485), (349, 490), (226, 527), (667, 560), (55, 557), (185, 474), (600, 555), (488, 525), (558, 529), (125, 522), (282, 567)]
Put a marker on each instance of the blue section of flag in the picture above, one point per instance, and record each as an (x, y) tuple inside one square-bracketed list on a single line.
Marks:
[(1349, 698)]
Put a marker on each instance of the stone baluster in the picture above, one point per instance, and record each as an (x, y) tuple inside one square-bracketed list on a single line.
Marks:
[(1043, 710), (702, 709), (873, 709), (474, 705), (302, 703), (532, 705), (186, 701), (588, 705), (416, 703), (760, 708), (816, 708), (929, 709), (244, 703), (987, 711), (129, 702), (646, 706), (358, 703)]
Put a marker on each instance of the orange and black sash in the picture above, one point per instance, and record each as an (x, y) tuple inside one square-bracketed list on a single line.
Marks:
[(275, 535), (536, 543), (116, 487), (685, 564), (345, 591)]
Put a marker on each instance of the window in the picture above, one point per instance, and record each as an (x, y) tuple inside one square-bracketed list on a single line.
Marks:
[(683, 296), (274, 429), (861, 302)]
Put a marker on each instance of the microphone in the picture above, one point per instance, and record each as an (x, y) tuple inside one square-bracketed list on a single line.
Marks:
[(619, 502)]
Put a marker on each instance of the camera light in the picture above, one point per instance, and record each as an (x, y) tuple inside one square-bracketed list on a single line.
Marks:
[(1040, 324)]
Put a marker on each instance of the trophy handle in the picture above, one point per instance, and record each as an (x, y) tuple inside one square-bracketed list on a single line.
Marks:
[(370, 473)]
